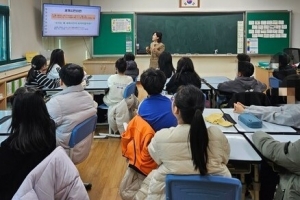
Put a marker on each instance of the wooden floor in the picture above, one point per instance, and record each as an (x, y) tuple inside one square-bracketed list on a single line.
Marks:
[(105, 166)]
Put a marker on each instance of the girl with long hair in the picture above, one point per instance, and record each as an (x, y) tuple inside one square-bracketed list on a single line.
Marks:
[(188, 148)]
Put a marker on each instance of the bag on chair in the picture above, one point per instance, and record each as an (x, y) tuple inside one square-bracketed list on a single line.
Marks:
[(130, 184)]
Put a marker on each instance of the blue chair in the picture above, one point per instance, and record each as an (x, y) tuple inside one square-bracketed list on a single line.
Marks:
[(128, 91), (198, 187), (81, 132), (274, 82)]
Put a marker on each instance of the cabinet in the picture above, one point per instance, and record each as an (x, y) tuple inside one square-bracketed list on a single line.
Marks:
[(100, 66), (12, 77), (263, 75)]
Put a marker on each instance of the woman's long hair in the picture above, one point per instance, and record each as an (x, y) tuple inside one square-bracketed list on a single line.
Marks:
[(57, 57), (165, 64), (186, 74), (31, 128), (190, 102)]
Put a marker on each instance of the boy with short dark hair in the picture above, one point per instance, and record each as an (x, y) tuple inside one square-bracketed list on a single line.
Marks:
[(243, 57), (244, 80), (156, 109)]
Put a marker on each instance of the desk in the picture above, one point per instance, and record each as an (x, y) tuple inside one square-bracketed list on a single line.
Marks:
[(95, 87), (5, 125), (99, 77), (242, 151), (2, 138), (205, 87), (215, 79), (208, 111), (213, 82), (280, 138), (266, 127)]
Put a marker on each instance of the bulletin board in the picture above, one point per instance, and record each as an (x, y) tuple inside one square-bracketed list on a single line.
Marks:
[(116, 35), (267, 32)]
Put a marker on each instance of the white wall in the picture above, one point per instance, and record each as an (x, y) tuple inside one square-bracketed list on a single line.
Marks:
[(207, 6), (25, 27), (4, 2)]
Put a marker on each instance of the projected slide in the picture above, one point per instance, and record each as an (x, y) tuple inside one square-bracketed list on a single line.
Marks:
[(69, 20)]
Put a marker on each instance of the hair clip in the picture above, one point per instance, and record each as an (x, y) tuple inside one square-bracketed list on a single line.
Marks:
[(33, 66)]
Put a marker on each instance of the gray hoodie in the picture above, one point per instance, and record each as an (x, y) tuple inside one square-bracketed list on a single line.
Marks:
[(287, 115), (242, 84)]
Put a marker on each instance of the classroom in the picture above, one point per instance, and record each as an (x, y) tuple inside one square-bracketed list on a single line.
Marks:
[(105, 166)]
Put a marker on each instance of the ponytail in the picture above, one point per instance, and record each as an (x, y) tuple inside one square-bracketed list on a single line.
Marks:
[(31, 74), (199, 142), (190, 102)]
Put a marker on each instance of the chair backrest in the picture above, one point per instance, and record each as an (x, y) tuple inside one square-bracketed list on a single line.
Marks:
[(82, 130), (129, 90), (249, 98), (194, 187), (274, 82), (294, 54)]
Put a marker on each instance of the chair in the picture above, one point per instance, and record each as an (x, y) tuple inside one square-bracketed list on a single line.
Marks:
[(83, 131), (128, 91), (274, 82), (249, 98), (194, 187), (294, 54)]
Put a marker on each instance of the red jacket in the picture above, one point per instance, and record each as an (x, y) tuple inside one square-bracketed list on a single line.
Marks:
[(135, 141)]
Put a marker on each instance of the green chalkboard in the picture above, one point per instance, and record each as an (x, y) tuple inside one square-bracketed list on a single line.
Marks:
[(190, 32), (266, 44), (113, 43)]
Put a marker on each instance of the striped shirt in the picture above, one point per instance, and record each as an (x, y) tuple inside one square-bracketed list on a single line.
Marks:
[(41, 81)]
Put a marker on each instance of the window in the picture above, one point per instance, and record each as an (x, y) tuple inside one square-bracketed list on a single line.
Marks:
[(4, 35)]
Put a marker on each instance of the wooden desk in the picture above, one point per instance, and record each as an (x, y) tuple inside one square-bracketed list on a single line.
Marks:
[(100, 66), (263, 75)]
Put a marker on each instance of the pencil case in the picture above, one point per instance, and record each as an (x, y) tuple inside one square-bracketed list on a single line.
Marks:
[(250, 120)]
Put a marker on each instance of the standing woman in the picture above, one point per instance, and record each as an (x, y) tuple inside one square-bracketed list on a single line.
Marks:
[(155, 49), (57, 61)]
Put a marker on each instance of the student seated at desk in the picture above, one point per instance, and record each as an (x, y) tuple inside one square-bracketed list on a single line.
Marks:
[(117, 83), (287, 115), (284, 69), (290, 84), (156, 108), (165, 64), (31, 139), (70, 106), (244, 81), (243, 57), (188, 148), (185, 74), (132, 69), (37, 77), (57, 61), (286, 155)]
